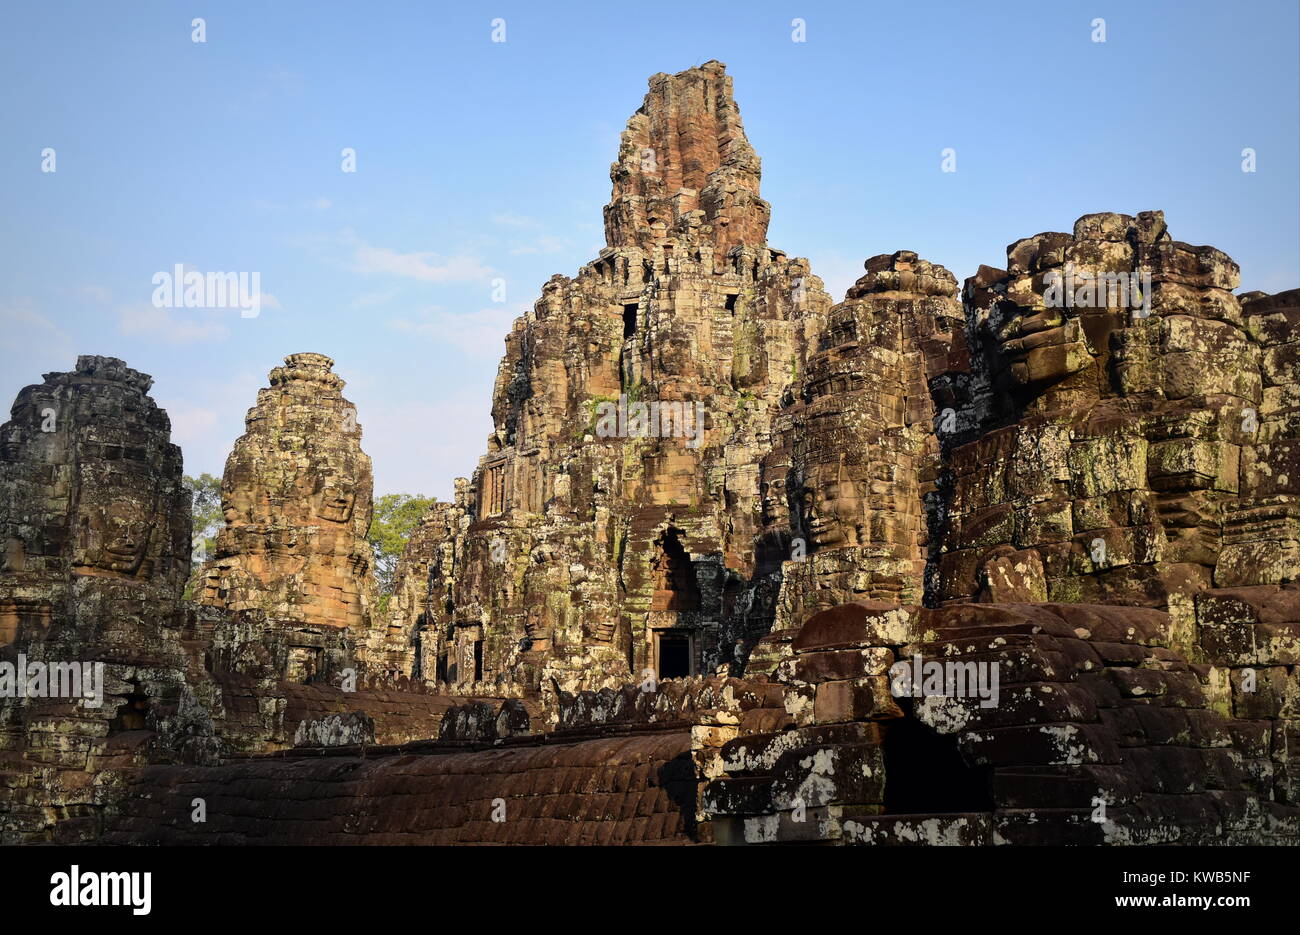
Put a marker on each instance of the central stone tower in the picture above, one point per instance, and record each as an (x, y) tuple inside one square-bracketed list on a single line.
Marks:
[(610, 528)]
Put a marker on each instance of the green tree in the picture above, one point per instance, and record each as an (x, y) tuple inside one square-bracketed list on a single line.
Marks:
[(205, 508), (396, 515)]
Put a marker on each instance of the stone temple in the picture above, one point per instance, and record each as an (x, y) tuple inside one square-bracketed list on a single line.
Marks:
[(1014, 560)]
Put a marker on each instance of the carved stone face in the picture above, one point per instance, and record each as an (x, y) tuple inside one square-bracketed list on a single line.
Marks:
[(114, 536), (336, 501), (14, 556), (832, 507), (773, 502), (533, 624), (1040, 347), (11, 443)]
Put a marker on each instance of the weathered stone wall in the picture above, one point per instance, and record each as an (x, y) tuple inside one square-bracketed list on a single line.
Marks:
[(1261, 527), (96, 525), (621, 767), (421, 618), (855, 452), (1094, 496), (685, 153), (1101, 733)]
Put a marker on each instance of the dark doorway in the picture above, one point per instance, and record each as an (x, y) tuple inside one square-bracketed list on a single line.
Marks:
[(417, 644), (478, 660), (674, 655), (629, 321), (925, 772), (133, 713)]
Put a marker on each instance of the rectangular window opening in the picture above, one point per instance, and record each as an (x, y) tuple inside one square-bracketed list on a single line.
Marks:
[(674, 655)]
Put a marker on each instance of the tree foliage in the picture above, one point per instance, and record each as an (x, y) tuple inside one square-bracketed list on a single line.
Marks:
[(205, 507), (395, 516)]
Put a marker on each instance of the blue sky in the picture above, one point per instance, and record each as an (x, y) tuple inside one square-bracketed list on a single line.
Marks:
[(479, 160)]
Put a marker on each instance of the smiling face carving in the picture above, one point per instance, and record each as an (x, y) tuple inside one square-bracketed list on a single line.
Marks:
[(335, 500), (116, 519), (774, 505), (1041, 347), (832, 508), (1049, 313), (115, 537)]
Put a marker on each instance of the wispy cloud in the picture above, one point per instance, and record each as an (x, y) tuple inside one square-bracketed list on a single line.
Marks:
[(540, 245), (367, 299), (192, 424), (478, 334), (506, 219), (23, 328), (418, 446), (173, 326), (423, 266), (207, 414)]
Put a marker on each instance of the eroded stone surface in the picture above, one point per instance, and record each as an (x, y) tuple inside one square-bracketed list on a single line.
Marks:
[(1118, 453), (1099, 732), (296, 495)]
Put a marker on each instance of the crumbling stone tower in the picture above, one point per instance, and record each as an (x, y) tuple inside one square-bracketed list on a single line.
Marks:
[(296, 495), (421, 605), (95, 523)]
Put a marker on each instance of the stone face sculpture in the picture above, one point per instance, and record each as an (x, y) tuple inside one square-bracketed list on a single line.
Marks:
[(684, 154), (296, 495), (858, 423), (96, 525), (1261, 527), (92, 488)]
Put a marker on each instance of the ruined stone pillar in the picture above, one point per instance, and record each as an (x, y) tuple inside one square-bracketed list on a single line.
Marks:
[(297, 501)]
